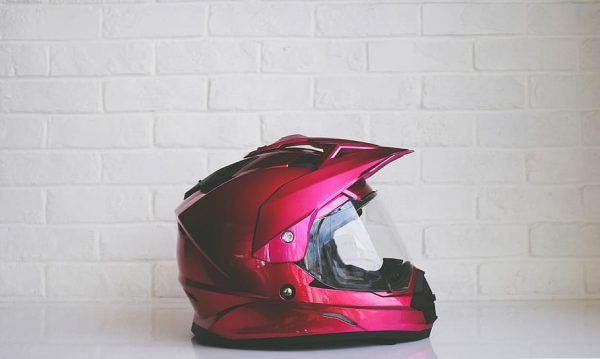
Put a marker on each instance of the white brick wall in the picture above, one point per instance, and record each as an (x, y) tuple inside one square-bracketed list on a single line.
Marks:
[(472, 19), (349, 20), (110, 110)]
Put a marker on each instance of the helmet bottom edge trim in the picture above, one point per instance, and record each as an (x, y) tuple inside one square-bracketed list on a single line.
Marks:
[(206, 337)]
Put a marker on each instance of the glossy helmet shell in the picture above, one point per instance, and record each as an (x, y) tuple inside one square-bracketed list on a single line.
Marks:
[(239, 268)]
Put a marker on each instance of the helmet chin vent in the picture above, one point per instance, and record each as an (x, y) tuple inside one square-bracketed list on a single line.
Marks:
[(341, 317)]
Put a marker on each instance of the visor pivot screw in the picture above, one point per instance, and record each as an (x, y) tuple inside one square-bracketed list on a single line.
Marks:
[(287, 236), (287, 292)]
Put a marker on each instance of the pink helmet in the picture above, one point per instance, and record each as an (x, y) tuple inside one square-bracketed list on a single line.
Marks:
[(287, 246)]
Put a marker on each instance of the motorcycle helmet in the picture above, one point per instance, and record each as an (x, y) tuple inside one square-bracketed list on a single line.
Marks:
[(289, 245)]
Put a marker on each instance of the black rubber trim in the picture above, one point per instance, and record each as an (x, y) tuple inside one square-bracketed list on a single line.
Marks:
[(423, 299), (203, 336), (316, 283), (193, 190)]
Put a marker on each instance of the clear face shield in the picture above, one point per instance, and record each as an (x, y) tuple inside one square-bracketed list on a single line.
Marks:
[(356, 247)]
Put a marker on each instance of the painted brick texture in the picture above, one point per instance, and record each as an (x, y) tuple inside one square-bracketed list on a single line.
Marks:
[(110, 110)]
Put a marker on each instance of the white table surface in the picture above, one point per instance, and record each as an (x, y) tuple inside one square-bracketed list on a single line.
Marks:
[(162, 330)]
